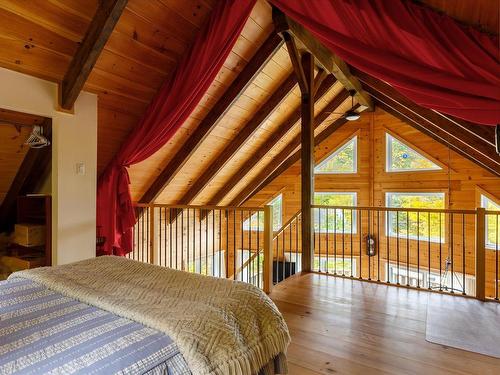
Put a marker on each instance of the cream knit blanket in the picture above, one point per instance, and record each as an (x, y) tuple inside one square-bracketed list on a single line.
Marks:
[(220, 326)]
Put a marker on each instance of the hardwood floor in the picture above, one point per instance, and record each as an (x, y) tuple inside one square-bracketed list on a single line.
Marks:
[(342, 326)]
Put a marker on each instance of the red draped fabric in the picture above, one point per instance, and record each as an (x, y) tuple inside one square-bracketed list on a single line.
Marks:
[(427, 56), (174, 102)]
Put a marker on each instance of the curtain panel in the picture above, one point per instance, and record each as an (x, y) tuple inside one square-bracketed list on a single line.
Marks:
[(172, 105), (428, 57)]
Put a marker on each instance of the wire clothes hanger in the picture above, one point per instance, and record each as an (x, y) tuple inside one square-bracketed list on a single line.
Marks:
[(36, 139)]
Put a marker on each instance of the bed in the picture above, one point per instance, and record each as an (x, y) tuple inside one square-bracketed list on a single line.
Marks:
[(112, 315)]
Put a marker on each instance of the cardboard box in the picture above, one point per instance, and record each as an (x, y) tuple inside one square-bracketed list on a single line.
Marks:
[(14, 264), (29, 235)]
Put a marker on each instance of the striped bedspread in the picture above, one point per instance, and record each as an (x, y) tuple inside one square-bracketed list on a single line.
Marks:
[(44, 332)]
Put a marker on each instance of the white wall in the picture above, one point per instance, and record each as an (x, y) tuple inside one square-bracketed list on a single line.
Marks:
[(74, 140)]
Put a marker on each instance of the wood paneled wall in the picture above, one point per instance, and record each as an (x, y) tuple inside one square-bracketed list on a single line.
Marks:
[(460, 180), (371, 181)]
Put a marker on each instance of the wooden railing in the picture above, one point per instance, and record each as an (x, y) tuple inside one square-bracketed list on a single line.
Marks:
[(437, 250), (448, 251), (492, 246), (287, 250), (228, 242)]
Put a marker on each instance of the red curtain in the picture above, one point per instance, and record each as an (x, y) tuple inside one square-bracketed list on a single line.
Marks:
[(174, 102), (428, 57)]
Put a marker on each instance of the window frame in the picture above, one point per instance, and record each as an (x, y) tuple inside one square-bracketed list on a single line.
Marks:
[(483, 202), (388, 229), (353, 139), (354, 219), (388, 157), (280, 197)]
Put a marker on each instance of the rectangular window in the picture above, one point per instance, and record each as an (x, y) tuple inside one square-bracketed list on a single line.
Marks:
[(256, 221), (331, 220), (337, 265), (424, 226), (492, 223)]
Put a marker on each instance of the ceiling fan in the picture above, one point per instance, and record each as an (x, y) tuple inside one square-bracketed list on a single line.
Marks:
[(350, 114)]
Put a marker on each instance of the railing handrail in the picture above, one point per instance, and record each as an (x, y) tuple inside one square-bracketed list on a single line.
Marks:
[(199, 207), (247, 262), (376, 208), (491, 212), (284, 226)]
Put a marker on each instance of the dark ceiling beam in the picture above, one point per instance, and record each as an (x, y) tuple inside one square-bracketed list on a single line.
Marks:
[(328, 61), (318, 80), (483, 132), (295, 58), (35, 165), (437, 134), (272, 44), (278, 96), (295, 157), (272, 141), (288, 156), (456, 134), (98, 33)]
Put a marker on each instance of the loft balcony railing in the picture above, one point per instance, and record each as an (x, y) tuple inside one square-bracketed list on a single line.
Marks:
[(447, 251), (228, 242)]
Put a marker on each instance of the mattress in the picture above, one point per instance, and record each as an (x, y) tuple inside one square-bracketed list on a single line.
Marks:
[(44, 332)]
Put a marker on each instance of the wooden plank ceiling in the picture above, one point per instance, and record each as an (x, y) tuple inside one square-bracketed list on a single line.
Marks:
[(15, 127), (246, 125)]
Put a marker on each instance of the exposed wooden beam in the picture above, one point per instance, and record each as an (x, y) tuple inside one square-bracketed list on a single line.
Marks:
[(437, 134), (483, 132), (273, 140), (101, 27), (243, 136), (253, 67), (286, 162), (328, 61), (486, 133), (318, 80), (307, 164), (277, 165), (35, 164), (295, 58), (454, 133)]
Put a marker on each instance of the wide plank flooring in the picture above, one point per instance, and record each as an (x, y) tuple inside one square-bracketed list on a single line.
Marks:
[(343, 326)]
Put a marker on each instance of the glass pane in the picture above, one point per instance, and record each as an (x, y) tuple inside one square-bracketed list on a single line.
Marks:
[(256, 221), (277, 204), (343, 160), (401, 157), (492, 223), (416, 225), (334, 220)]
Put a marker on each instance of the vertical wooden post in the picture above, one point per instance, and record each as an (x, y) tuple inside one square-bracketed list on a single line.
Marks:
[(153, 243), (480, 254), (307, 164), (268, 248)]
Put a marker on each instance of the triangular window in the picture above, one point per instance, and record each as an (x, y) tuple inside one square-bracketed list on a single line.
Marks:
[(342, 160), (402, 158)]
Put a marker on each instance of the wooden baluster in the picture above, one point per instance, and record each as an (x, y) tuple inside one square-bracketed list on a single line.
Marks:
[(480, 254), (152, 237), (268, 248)]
